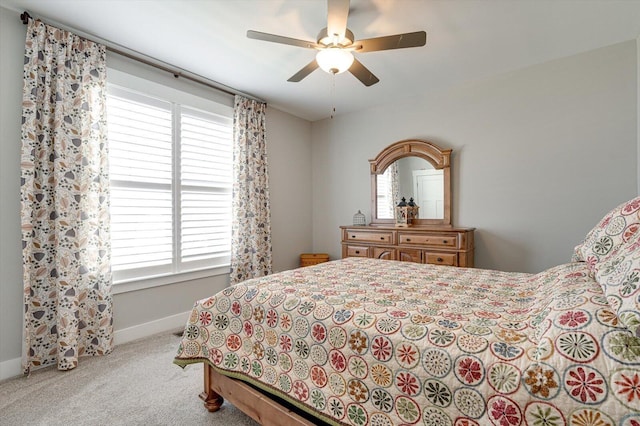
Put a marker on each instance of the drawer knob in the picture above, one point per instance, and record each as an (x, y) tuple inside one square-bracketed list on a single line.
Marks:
[(408, 239), (382, 238), (440, 259), (357, 251), (444, 241)]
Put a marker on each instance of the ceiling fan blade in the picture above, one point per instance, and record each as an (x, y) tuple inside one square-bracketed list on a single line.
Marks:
[(337, 14), (308, 69), (363, 74), (257, 35), (398, 41)]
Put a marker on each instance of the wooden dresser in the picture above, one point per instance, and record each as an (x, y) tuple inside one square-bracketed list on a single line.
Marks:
[(436, 245)]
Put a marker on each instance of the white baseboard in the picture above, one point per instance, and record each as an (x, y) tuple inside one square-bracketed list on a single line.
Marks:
[(150, 328), (13, 367), (10, 368)]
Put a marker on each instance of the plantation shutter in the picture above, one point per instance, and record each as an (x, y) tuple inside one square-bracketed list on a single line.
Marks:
[(170, 175), (384, 203), (140, 166), (205, 193)]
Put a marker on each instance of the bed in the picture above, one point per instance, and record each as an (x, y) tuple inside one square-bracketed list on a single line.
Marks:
[(361, 341)]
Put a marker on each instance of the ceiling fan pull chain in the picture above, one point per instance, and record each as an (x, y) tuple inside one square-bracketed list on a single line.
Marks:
[(333, 94)]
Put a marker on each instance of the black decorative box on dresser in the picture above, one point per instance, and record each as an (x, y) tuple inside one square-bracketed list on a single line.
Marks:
[(439, 246)]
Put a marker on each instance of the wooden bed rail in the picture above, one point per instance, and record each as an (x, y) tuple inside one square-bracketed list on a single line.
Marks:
[(250, 401)]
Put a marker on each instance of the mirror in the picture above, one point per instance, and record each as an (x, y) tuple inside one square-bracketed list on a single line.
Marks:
[(411, 178), (412, 169)]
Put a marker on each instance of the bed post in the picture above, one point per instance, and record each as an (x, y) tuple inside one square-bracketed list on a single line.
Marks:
[(212, 400)]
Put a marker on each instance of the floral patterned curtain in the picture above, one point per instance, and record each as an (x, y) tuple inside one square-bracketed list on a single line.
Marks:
[(64, 200), (251, 214)]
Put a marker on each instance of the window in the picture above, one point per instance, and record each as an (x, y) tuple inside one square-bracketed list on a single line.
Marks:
[(170, 173), (386, 205)]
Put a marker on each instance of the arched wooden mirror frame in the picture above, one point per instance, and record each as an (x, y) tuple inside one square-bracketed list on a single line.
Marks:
[(438, 158)]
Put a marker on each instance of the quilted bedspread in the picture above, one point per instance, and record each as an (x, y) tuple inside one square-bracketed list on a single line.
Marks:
[(363, 341)]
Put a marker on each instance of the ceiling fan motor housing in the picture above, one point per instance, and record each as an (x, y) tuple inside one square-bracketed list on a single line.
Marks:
[(326, 39)]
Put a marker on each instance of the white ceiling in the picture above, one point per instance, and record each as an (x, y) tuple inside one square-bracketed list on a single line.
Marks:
[(466, 40)]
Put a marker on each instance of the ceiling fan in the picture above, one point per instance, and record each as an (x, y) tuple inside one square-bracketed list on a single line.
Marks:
[(336, 43)]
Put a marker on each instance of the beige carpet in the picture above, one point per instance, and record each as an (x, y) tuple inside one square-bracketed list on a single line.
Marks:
[(135, 385)]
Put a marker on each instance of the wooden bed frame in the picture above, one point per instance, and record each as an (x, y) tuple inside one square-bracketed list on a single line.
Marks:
[(247, 399)]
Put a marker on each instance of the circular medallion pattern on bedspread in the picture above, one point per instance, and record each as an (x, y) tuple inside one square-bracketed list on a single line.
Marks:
[(612, 252), (369, 342)]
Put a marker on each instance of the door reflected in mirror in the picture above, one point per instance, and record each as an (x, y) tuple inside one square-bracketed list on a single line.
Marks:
[(411, 177)]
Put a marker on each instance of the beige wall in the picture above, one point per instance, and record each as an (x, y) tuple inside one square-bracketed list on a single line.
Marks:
[(289, 156), (539, 155), (12, 36), (137, 313)]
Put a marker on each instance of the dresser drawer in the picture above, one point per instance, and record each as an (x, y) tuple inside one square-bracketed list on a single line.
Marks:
[(438, 240), (383, 253), (410, 255), (381, 237), (448, 259), (357, 251)]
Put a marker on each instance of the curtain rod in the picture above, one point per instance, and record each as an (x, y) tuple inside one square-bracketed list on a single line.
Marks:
[(147, 60)]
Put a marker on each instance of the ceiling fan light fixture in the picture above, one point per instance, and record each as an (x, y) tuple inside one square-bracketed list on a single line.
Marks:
[(334, 60)]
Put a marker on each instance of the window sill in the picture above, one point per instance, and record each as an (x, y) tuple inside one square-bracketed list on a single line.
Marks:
[(136, 284)]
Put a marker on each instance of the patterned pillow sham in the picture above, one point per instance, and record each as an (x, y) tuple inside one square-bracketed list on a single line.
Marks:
[(604, 240), (619, 277)]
